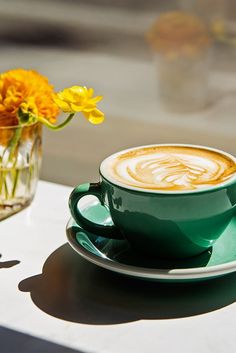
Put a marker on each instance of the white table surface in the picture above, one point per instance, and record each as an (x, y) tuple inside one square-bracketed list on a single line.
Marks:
[(54, 301)]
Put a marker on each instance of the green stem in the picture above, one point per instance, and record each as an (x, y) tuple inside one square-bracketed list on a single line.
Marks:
[(17, 173), (1, 180), (13, 143), (5, 185), (12, 149), (56, 127), (28, 185)]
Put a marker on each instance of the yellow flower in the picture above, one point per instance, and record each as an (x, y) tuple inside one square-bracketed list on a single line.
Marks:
[(80, 99), (27, 91)]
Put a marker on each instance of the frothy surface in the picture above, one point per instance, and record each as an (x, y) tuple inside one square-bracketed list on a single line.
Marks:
[(171, 168)]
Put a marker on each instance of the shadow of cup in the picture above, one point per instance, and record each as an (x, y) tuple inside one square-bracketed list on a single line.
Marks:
[(73, 289)]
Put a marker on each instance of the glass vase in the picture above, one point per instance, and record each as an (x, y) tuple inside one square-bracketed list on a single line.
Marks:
[(20, 161)]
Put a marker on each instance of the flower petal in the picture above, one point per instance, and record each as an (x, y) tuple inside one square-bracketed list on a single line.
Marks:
[(76, 107), (90, 92), (62, 105), (96, 99), (95, 116)]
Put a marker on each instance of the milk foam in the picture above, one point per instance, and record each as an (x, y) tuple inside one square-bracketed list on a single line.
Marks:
[(171, 168)]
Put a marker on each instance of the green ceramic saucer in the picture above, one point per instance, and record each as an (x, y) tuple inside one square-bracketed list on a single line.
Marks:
[(117, 255)]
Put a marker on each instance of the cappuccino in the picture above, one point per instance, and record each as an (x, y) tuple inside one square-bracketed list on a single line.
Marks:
[(170, 168)]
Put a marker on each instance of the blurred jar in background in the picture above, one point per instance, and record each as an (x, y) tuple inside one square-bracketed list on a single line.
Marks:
[(181, 44)]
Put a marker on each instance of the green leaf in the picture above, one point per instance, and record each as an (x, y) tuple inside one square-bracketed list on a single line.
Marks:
[(26, 118)]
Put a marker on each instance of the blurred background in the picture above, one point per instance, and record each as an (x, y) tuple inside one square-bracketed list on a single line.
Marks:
[(167, 70)]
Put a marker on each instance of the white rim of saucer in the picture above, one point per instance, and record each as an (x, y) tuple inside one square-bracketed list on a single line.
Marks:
[(142, 272), (105, 162)]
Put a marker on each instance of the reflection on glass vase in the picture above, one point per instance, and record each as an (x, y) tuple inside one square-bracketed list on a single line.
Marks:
[(183, 82), (20, 161)]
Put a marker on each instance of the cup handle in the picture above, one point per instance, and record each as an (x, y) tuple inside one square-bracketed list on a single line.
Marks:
[(107, 231)]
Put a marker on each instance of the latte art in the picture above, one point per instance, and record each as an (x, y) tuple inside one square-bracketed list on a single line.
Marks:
[(171, 168)]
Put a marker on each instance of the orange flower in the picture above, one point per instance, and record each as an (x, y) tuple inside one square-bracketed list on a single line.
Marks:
[(27, 91)]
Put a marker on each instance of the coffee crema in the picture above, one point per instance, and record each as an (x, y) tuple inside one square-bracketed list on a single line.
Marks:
[(171, 168)]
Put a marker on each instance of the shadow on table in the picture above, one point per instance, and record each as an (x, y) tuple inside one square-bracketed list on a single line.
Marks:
[(12, 341), (8, 264), (73, 289)]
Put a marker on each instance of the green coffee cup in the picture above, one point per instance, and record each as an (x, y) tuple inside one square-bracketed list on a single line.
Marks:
[(165, 223)]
